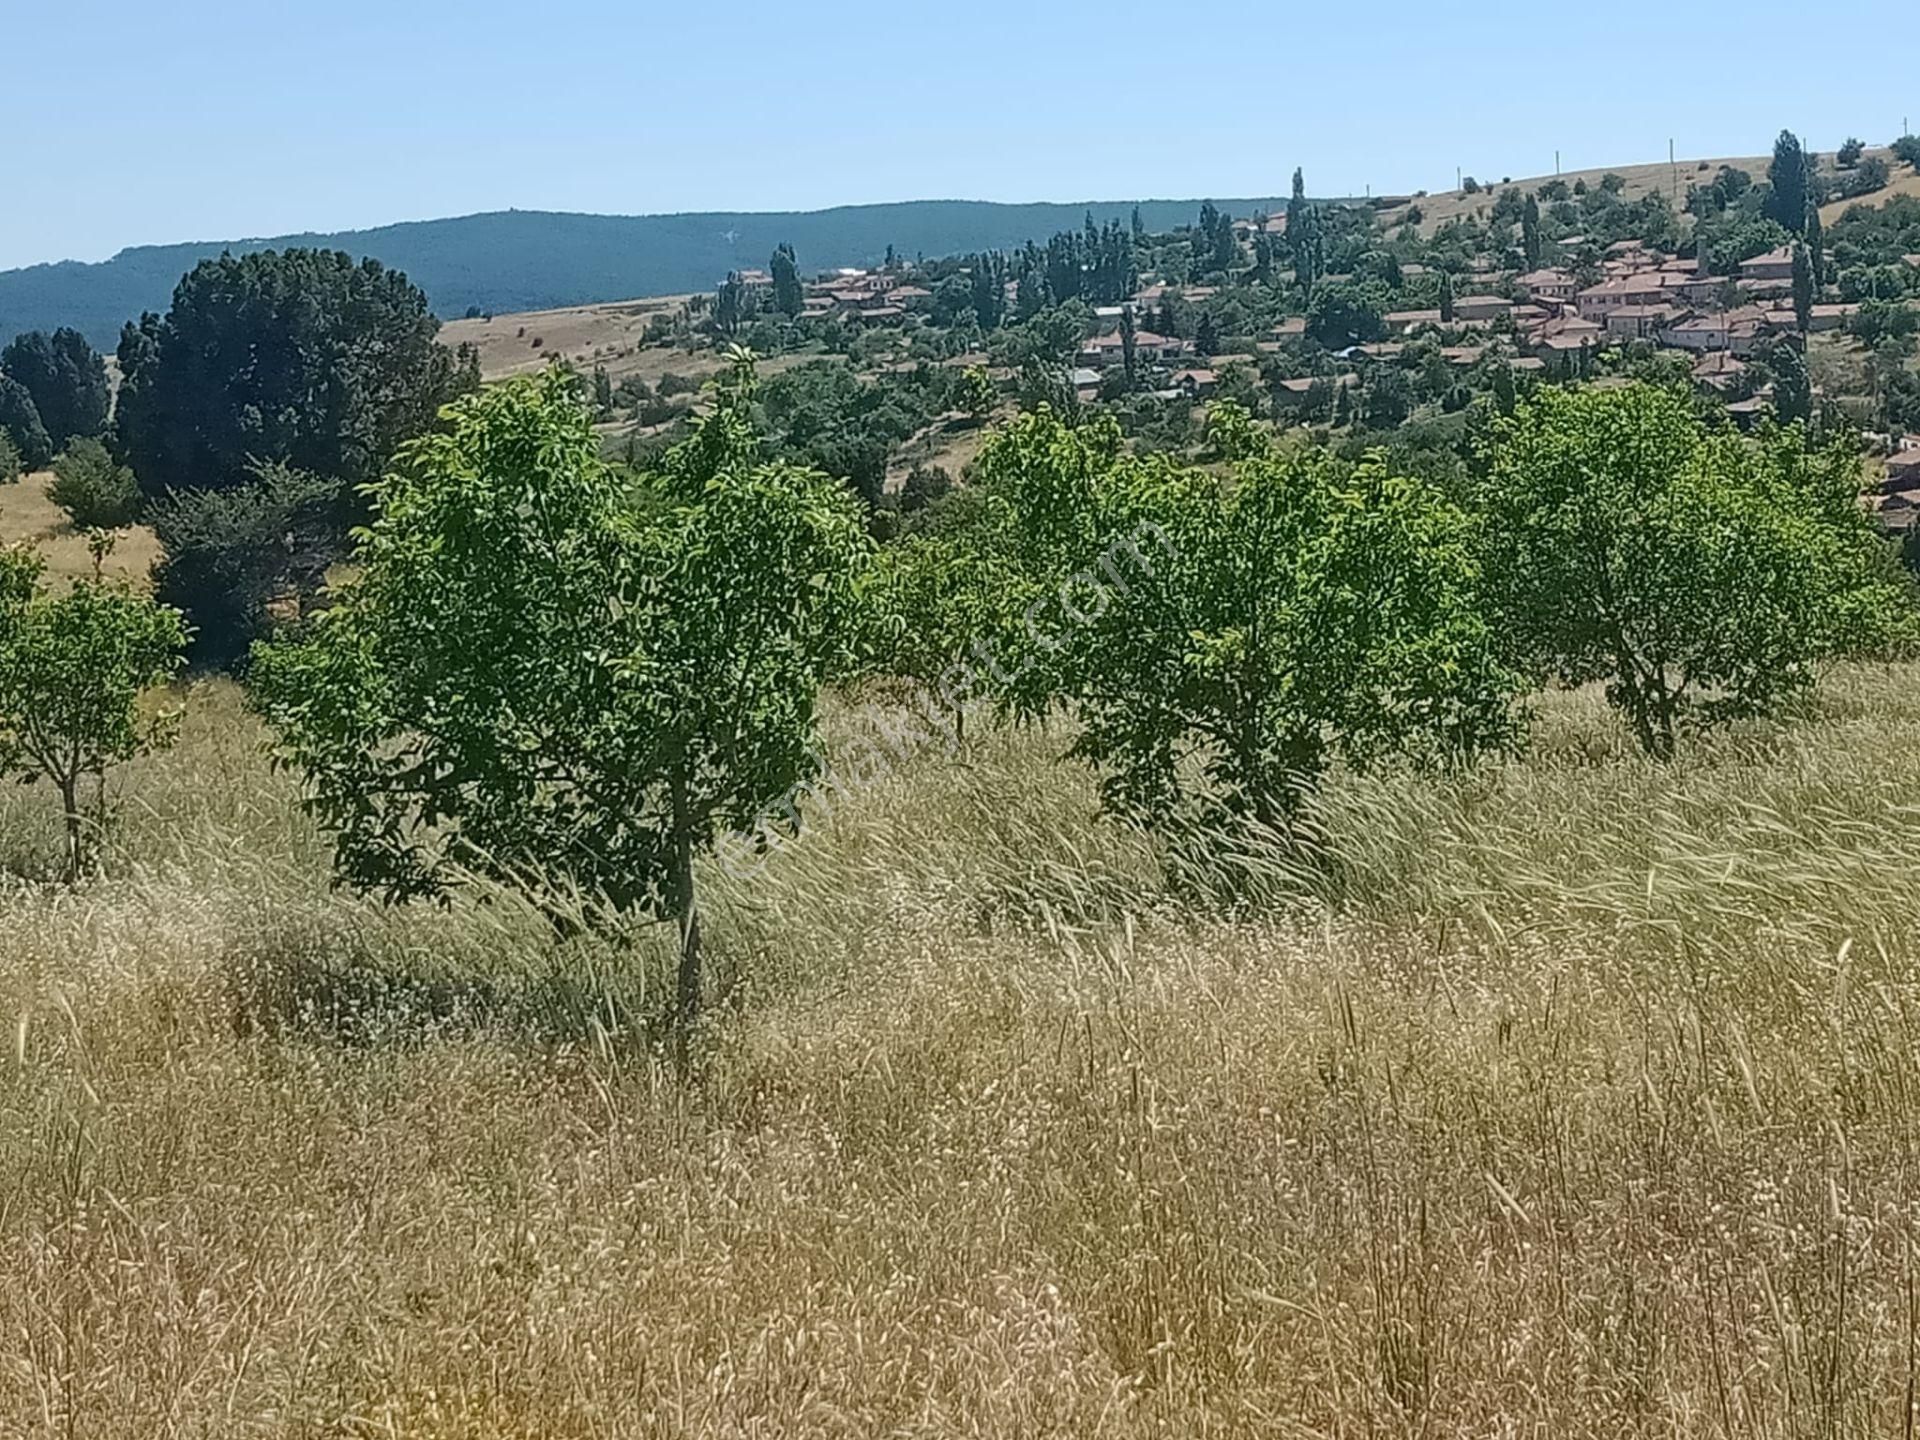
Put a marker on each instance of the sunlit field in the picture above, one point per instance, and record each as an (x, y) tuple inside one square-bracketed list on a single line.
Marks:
[(1578, 1096)]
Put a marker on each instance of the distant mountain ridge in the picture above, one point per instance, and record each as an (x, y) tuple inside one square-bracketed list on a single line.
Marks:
[(511, 260)]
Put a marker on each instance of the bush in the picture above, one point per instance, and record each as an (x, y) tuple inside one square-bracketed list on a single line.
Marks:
[(237, 561), (96, 491), (9, 460)]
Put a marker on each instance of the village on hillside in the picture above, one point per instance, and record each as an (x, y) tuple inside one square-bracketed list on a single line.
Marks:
[(1363, 322)]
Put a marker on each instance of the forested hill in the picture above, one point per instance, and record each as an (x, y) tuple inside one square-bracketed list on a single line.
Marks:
[(532, 260)]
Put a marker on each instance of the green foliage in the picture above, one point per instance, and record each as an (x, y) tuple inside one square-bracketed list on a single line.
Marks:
[(788, 297), (1223, 641), (978, 394), (74, 663), (95, 490), (302, 357), (1345, 312), (67, 379), (238, 561), (1789, 179), (1849, 153), (1702, 577), (20, 423), (543, 677), (10, 467)]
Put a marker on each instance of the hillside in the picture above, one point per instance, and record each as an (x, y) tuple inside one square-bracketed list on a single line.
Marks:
[(1438, 208), (519, 260), (1441, 206)]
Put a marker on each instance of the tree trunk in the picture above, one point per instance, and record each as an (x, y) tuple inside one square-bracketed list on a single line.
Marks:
[(76, 825), (687, 913)]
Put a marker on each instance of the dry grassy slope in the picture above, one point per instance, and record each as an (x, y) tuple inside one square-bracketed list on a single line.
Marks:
[(1438, 208), (587, 335), (27, 516), (1906, 181), (1583, 1107), (1442, 206)]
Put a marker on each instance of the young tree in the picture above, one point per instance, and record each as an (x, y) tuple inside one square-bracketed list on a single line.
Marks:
[(67, 379), (305, 357), (96, 491), (539, 674), (9, 460), (73, 665), (788, 298), (1129, 348), (20, 423), (730, 304), (1222, 642), (1702, 577), (1446, 297), (1849, 153), (1788, 178), (978, 394), (1816, 248)]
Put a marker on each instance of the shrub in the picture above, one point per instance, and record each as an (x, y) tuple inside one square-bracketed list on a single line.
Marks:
[(96, 491), (9, 460), (239, 561)]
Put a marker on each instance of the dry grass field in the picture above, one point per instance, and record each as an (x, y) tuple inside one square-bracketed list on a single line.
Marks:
[(27, 516), (586, 335), (1576, 1099), (1438, 208)]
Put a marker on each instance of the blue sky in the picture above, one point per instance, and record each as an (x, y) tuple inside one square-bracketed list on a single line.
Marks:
[(129, 123)]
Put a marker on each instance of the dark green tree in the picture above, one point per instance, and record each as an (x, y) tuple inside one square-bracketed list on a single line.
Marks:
[(67, 379), (785, 269), (20, 419), (1788, 177), (1817, 247), (1530, 242), (306, 357)]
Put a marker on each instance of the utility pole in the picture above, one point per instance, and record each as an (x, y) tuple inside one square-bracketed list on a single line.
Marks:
[(1674, 172), (1556, 164)]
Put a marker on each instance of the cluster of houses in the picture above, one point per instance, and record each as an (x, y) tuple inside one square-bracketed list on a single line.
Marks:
[(1896, 499), (872, 297), (1673, 303)]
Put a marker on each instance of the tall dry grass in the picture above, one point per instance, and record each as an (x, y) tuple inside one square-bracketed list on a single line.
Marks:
[(1581, 1101)]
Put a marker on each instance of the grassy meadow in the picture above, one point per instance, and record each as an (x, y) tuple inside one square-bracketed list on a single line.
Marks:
[(1579, 1099)]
